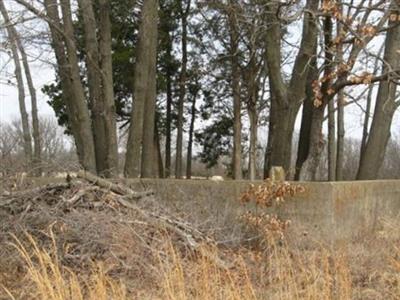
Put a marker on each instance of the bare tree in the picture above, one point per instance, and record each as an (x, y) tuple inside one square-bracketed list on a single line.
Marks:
[(56, 150), (13, 39), (338, 74), (32, 93)]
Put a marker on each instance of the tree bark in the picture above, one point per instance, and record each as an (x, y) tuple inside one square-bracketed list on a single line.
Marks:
[(368, 106), (374, 150), (148, 161), (252, 86), (253, 116), (108, 88), (36, 160), (37, 148), (190, 142), (307, 118), (157, 152), (328, 69), (286, 99), (340, 115), (100, 81), (182, 89), (340, 136), (331, 141), (309, 168), (20, 85), (82, 118), (169, 115), (143, 69), (366, 119), (62, 71), (96, 101), (235, 85)]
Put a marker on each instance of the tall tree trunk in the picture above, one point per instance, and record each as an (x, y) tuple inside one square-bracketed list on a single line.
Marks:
[(366, 119), (286, 99), (235, 85), (150, 106), (309, 168), (73, 95), (36, 160), (368, 105), (143, 71), (268, 150), (182, 89), (375, 148), (37, 148), (281, 128), (62, 71), (106, 68), (169, 115), (83, 121), (340, 136), (100, 81), (328, 69), (331, 141), (20, 85), (252, 85), (340, 109), (307, 118), (252, 110), (159, 167), (190, 142), (96, 101)]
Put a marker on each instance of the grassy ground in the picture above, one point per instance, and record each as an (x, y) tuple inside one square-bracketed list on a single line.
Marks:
[(103, 251)]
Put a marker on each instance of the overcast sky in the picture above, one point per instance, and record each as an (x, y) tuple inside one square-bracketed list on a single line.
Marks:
[(9, 108)]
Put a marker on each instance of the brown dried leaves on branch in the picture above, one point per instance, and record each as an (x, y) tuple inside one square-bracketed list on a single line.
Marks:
[(268, 194)]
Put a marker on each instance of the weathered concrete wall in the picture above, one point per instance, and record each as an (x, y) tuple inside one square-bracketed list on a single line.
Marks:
[(328, 210)]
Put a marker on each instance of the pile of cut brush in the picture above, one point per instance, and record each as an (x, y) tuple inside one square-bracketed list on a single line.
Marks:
[(91, 219)]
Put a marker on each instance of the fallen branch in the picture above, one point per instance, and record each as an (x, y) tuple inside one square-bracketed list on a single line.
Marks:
[(192, 238), (118, 189), (11, 196), (71, 195), (80, 194)]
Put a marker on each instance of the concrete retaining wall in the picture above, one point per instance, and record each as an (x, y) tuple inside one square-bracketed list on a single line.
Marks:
[(328, 210)]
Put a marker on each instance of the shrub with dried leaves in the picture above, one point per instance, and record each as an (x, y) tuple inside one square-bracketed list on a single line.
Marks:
[(266, 195)]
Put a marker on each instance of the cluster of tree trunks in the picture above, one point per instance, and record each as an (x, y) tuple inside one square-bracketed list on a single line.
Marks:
[(92, 113), (139, 149), (286, 99), (375, 146)]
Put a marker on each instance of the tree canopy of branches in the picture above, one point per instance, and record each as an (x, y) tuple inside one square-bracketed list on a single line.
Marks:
[(230, 78)]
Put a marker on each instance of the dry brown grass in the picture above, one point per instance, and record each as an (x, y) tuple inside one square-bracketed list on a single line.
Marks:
[(279, 271), (102, 251), (47, 278)]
